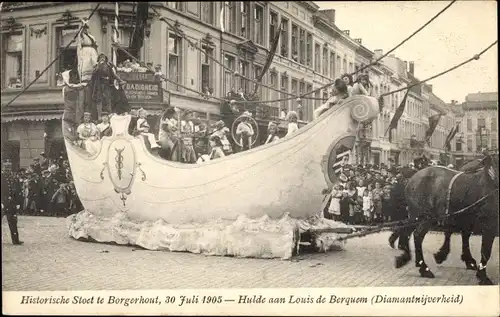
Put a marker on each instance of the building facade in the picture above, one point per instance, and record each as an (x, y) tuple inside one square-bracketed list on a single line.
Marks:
[(477, 121), (312, 51)]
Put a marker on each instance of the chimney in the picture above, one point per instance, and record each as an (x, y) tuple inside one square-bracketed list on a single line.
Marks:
[(378, 51), (329, 14), (358, 41), (347, 32), (412, 68)]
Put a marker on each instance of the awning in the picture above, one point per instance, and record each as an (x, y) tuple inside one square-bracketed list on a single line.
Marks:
[(34, 117)]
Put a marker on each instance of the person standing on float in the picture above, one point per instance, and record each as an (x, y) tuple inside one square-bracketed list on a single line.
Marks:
[(86, 52), (245, 132)]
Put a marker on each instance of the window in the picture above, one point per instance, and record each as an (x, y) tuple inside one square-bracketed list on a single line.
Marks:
[(469, 144), (68, 59), (244, 72), (174, 60), (273, 26), (124, 37), (229, 62), (207, 12), (193, 7), (332, 65), (273, 82), (493, 124), (245, 19), (458, 145), (259, 25), (284, 38), (344, 69), (338, 65), (301, 111), (284, 88), (207, 69), (469, 125), (494, 143), (302, 54), (295, 87), (177, 5), (317, 101), (13, 62), (459, 126), (230, 13), (309, 50), (317, 58), (481, 123), (295, 43), (325, 61), (351, 68), (260, 91), (309, 105)]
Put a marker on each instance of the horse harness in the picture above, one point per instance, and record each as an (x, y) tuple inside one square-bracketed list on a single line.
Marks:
[(448, 195)]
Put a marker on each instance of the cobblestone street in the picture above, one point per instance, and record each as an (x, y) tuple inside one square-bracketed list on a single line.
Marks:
[(51, 260)]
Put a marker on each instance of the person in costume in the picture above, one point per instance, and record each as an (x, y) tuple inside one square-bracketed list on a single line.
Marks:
[(340, 92), (104, 126), (168, 133), (143, 128), (361, 87), (86, 52), (293, 126), (245, 132), (102, 90), (347, 78), (188, 154), (218, 141), (89, 134), (272, 133)]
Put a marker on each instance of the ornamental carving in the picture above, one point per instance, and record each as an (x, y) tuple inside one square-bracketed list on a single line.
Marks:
[(67, 18), (38, 33), (11, 26)]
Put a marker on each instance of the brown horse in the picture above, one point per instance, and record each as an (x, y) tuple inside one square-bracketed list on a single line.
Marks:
[(428, 196)]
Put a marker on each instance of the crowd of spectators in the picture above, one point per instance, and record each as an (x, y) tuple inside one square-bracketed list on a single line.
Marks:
[(47, 189)]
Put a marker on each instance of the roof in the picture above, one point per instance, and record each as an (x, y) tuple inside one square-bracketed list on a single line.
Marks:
[(437, 103), (482, 96)]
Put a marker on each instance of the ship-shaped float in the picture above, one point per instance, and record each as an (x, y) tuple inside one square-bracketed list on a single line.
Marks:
[(250, 204)]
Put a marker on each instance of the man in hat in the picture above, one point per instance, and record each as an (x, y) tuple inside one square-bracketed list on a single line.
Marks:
[(37, 168), (244, 131), (218, 141), (44, 162), (10, 191), (143, 128)]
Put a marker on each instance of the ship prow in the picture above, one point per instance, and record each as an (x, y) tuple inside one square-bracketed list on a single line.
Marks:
[(263, 195)]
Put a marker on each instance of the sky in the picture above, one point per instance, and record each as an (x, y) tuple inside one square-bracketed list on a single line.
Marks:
[(459, 33)]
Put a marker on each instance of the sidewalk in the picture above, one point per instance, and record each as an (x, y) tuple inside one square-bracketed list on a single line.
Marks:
[(51, 260)]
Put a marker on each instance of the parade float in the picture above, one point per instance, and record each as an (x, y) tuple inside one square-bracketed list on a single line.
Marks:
[(257, 203)]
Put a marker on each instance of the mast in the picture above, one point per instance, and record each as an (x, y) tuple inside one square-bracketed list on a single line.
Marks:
[(116, 35)]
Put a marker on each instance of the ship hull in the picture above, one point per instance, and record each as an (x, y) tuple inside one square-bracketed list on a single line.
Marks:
[(274, 183)]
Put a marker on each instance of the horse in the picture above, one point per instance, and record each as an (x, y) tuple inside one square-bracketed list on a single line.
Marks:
[(430, 194)]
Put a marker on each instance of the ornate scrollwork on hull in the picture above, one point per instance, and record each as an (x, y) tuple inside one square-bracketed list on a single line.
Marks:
[(338, 154), (121, 164)]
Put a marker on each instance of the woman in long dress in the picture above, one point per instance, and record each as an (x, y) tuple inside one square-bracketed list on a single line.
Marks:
[(89, 135), (87, 53)]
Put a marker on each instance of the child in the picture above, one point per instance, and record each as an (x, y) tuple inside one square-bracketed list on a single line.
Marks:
[(334, 208), (367, 206), (386, 203), (143, 128), (377, 202), (59, 201), (292, 119)]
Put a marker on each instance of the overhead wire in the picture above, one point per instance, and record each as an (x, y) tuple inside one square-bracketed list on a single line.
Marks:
[(475, 57), (54, 60), (235, 73)]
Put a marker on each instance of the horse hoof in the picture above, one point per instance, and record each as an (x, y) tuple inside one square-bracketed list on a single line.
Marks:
[(427, 273), (439, 258), (471, 266), (485, 281), (417, 264), (401, 261)]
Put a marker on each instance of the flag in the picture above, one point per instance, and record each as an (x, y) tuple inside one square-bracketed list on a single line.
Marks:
[(141, 19), (451, 135), (222, 17), (397, 116), (270, 56), (433, 122)]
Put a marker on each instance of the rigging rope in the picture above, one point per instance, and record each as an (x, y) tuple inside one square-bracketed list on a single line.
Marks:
[(395, 47), (235, 73), (475, 57), (55, 59)]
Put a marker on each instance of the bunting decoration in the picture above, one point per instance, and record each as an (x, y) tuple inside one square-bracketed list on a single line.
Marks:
[(115, 32), (449, 138), (397, 115), (270, 56), (222, 17), (137, 38), (433, 122)]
